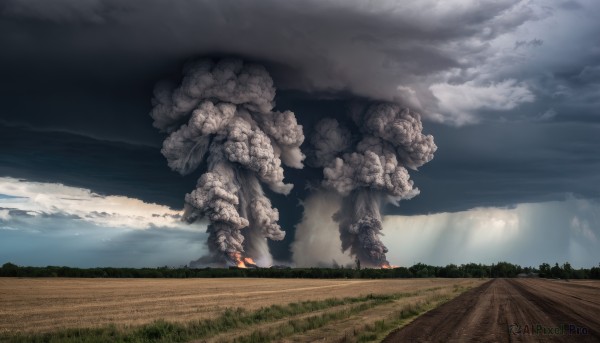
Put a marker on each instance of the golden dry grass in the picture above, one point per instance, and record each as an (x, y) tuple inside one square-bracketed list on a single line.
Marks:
[(48, 304)]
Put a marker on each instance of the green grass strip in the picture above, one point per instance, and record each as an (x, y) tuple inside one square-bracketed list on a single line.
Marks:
[(377, 331), (299, 326), (293, 327)]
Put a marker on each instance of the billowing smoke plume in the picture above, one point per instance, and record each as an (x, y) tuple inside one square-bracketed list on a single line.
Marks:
[(224, 109), (369, 170)]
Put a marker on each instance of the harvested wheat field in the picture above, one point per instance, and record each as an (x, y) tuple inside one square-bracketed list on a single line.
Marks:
[(337, 308)]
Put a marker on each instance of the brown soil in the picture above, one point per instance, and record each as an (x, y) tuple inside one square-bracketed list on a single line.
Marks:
[(48, 304), (535, 307)]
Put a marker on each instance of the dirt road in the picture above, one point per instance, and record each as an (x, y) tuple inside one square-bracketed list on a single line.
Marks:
[(512, 310)]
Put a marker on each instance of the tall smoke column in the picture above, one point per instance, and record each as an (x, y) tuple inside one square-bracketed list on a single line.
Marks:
[(225, 109), (370, 170)]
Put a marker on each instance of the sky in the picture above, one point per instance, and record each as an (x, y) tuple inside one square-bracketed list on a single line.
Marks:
[(510, 91)]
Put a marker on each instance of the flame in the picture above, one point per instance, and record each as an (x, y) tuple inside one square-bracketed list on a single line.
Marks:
[(236, 258), (386, 265), (241, 262)]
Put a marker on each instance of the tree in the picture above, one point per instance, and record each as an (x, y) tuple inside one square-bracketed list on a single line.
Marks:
[(556, 271), (545, 270), (423, 273), (9, 269), (567, 270), (595, 272)]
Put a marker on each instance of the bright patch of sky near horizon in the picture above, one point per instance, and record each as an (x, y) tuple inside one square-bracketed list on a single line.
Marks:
[(52, 224), (528, 234)]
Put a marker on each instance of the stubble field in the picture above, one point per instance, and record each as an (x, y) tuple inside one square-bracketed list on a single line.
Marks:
[(217, 309)]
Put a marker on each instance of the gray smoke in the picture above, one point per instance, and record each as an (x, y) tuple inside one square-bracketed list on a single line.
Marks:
[(370, 171), (360, 226), (224, 109), (316, 239), (328, 140)]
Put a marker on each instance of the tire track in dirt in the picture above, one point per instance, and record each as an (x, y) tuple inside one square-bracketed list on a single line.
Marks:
[(534, 308)]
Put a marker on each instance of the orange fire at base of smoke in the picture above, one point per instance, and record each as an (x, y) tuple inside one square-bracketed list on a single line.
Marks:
[(388, 266), (242, 262)]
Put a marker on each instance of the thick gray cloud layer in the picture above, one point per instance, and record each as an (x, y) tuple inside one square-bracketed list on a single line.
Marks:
[(449, 60)]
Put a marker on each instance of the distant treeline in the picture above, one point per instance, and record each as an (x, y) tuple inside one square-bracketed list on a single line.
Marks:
[(419, 270)]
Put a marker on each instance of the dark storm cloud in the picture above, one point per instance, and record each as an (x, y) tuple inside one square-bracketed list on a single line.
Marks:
[(384, 50), (448, 61), (111, 168), (504, 164)]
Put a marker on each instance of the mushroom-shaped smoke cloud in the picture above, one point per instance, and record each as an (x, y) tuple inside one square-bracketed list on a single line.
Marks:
[(370, 170), (225, 109)]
